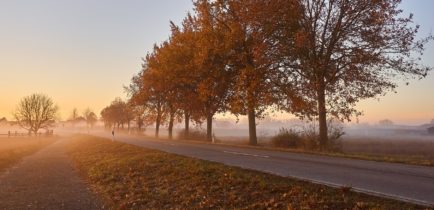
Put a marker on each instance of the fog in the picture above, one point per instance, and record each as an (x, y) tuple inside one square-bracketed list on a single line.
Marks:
[(231, 129)]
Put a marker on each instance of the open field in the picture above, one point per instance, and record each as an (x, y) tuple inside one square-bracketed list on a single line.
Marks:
[(404, 151), (130, 177), (14, 149)]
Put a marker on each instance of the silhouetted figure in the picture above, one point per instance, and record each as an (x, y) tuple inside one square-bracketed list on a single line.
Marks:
[(113, 135)]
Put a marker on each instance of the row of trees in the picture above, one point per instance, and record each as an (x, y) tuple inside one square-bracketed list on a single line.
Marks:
[(314, 59), (88, 116), (119, 113), (38, 111)]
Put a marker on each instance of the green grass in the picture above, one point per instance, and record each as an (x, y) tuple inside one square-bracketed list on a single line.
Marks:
[(12, 150), (131, 177)]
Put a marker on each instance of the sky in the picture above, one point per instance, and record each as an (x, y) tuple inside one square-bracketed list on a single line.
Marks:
[(82, 52)]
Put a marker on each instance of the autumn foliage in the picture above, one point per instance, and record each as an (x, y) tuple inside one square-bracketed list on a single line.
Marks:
[(314, 59)]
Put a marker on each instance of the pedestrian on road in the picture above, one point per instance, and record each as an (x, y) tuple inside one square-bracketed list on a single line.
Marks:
[(113, 134)]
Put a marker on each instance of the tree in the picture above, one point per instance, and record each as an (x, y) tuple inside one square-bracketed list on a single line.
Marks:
[(344, 51), (385, 122), (116, 114), (35, 112), (215, 78), (254, 76), (74, 116), (128, 110), (182, 72), (90, 117), (146, 89), (139, 115)]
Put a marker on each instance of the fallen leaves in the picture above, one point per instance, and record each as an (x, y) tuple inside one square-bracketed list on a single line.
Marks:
[(130, 177)]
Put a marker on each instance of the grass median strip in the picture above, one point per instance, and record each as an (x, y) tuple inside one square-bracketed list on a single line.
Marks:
[(131, 177), (14, 149)]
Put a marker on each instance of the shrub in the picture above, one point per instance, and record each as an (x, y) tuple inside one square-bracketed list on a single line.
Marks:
[(287, 138), (308, 137)]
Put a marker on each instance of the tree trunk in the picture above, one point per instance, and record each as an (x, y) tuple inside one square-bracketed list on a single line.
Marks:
[(139, 125), (209, 127), (253, 140), (172, 116), (157, 125), (322, 118), (128, 126), (187, 125)]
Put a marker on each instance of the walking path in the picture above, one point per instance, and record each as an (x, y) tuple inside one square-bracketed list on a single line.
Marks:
[(45, 180)]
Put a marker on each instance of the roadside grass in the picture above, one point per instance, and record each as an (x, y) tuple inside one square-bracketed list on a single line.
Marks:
[(12, 150), (131, 177)]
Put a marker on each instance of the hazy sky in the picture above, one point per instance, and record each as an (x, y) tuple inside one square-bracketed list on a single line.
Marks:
[(82, 52)]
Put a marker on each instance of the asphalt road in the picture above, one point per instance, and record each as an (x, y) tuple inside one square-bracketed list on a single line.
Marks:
[(399, 181)]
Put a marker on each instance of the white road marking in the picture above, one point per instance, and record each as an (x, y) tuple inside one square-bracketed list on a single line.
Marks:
[(246, 154)]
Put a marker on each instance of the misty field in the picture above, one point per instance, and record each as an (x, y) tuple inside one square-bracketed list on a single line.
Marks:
[(409, 149), (12, 150), (131, 177)]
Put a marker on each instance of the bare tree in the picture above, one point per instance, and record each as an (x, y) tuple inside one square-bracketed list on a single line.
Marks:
[(36, 112)]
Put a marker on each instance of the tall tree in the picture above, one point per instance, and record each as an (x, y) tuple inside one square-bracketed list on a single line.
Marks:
[(345, 51), (253, 90), (183, 68), (212, 61)]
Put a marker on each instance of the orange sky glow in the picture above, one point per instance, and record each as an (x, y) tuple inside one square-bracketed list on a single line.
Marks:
[(81, 53)]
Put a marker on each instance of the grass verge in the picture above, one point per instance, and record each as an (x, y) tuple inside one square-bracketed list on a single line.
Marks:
[(14, 149), (131, 177)]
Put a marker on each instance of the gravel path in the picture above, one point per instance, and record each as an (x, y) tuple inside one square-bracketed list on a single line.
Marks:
[(45, 180)]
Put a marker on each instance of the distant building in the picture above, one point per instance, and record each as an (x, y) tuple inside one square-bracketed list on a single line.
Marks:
[(431, 130)]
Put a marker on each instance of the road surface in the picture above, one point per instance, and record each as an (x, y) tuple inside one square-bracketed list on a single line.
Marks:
[(398, 181)]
